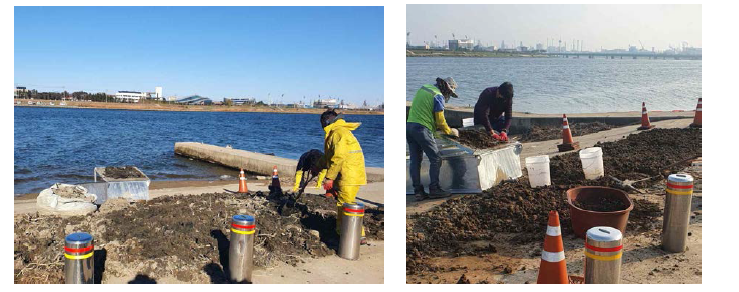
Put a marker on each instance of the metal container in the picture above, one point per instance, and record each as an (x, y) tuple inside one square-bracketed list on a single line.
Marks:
[(678, 197), (241, 249), (351, 230), (109, 188), (79, 260), (603, 252), (469, 171), (583, 220)]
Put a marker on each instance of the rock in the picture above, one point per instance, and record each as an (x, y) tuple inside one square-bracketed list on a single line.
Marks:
[(225, 177), (463, 280), (508, 270)]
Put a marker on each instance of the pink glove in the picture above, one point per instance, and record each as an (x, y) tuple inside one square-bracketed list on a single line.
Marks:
[(328, 184), (503, 136), (496, 137)]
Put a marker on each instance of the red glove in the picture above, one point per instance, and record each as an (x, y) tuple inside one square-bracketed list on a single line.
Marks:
[(503, 136), (330, 193), (328, 184), (496, 137)]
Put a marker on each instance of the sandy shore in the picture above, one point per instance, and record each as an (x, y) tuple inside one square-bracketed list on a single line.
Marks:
[(187, 108)]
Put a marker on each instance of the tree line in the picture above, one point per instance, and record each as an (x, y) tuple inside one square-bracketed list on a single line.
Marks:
[(79, 95)]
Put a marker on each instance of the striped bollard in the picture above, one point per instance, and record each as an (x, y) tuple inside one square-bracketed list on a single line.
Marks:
[(241, 249), (677, 212), (351, 230), (79, 263), (603, 251)]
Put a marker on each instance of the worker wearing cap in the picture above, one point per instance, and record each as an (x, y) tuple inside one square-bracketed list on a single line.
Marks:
[(425, 116), (343, 161), (308, 168), (494, 110)]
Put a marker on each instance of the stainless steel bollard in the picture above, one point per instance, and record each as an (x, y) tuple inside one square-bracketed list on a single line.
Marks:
[(603, 251), (79, 262), (351, 230), (677, 212), (241, 249)]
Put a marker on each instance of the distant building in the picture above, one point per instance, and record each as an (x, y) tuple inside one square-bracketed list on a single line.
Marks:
[(463, 44), (326, 103), (130, 96), (424, 47), (19, 90), (539, 47), (243, 101), (195, 100)]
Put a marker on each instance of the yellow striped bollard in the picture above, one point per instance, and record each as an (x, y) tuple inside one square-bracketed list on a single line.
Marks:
[(79, 262), (603, 251), (677, 212), (351, 230), (241, 249)]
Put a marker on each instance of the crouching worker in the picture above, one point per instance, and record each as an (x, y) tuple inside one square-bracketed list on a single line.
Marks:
[(344, 162), (307, 169)]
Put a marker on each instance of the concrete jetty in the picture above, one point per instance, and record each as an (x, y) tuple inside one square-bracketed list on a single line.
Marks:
[(251, 161)]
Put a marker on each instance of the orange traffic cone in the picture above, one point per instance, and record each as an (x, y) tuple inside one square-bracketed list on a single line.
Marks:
[(698, 119), (553, 268), (645, 124), (242, 183), (275, 186), (567, 142)]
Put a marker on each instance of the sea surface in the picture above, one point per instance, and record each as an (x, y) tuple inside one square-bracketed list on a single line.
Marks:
[(562, 85), (64, 145)]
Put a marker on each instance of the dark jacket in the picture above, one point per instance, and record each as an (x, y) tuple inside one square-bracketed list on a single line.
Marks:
[(490, 107), (309, 159)]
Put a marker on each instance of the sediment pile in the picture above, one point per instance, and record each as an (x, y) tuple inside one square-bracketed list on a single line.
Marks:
[(185, 237), (539, 133), (515, 207), (122, 172), (477, 139)]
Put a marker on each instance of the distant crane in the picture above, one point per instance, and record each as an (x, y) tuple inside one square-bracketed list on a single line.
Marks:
[(642, 45), (454, 37)]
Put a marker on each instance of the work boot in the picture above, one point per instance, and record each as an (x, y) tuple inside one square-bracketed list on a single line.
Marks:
[(438, 192), (420, 194)]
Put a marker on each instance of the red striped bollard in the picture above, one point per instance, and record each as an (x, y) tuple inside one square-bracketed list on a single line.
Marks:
[(79, 262), (241, 249)]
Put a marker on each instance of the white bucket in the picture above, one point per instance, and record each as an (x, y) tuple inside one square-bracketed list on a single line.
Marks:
[(592, 162), (538, 169)]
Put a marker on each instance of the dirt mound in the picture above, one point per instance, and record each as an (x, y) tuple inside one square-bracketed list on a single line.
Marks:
[(601, 204), (478, 139), (185, 237), (515, 207), (122, 172), (647, 154), (539, 133)]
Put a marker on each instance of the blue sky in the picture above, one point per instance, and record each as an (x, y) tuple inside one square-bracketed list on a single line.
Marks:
[(211, 51)]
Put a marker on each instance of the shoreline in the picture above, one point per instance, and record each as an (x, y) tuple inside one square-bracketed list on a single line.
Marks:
[(184, 108)]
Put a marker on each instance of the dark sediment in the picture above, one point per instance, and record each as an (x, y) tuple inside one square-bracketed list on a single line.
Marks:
[(601, 204), (179, 235), (122, 172), (478, 139), (539, 133), (516, 208)]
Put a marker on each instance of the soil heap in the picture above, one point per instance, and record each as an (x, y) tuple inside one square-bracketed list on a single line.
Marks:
[(122, 172), (185, 237), (515, 207), (539, 133), (477, 138)]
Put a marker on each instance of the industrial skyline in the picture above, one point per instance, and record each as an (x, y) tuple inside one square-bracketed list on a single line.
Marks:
[(578, 27)]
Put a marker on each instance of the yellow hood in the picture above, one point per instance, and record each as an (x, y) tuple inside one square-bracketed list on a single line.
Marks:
[(340, 123)]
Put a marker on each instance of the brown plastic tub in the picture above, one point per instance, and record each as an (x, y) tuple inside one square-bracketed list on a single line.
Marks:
[(582, 220)]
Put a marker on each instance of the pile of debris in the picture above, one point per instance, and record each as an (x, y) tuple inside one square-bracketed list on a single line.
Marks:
[(540, 133), (185, 237), (123, 172), (477, 139), (515, 208)]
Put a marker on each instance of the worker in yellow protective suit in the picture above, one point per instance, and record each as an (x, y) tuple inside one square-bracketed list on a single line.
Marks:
[(344, 161), (308, 168)]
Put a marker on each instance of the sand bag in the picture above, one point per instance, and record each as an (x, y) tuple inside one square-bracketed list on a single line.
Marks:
[(66, 200)]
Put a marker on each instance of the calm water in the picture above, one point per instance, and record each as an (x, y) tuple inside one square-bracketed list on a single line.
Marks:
[(64, 145), (560, 85)]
